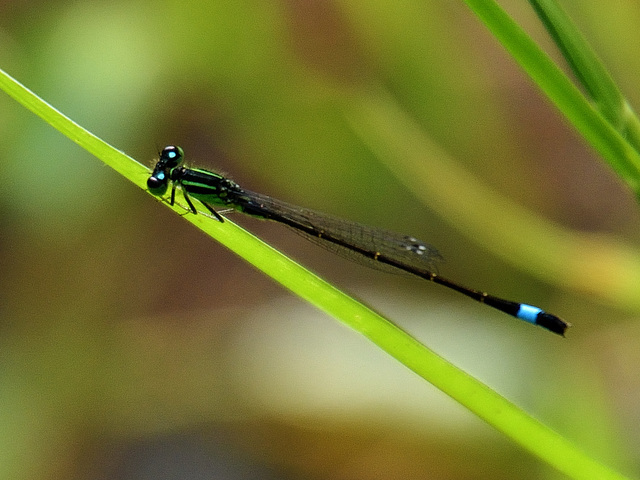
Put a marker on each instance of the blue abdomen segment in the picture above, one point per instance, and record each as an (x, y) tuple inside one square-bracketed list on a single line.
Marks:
[(537, 316), (528, 313)]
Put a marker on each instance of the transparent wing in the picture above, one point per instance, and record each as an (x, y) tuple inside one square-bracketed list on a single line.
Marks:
[(344, 237)]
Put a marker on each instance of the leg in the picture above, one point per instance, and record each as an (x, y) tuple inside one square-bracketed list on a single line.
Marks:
[(215, 214), (186, 197), (173, 193)]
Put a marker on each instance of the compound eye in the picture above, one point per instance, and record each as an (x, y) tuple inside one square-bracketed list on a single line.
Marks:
[(157, 184), (171, 156)]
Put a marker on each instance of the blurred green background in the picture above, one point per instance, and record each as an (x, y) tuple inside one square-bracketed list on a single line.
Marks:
[(134, 347)]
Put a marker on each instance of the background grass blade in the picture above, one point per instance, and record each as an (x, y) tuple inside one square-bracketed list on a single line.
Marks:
[(560, 256), (585, 117), (589, 70)]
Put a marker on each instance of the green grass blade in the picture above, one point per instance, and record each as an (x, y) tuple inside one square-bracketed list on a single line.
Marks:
[(584, 116), (477, 397), (589, 70), (116, 159)]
